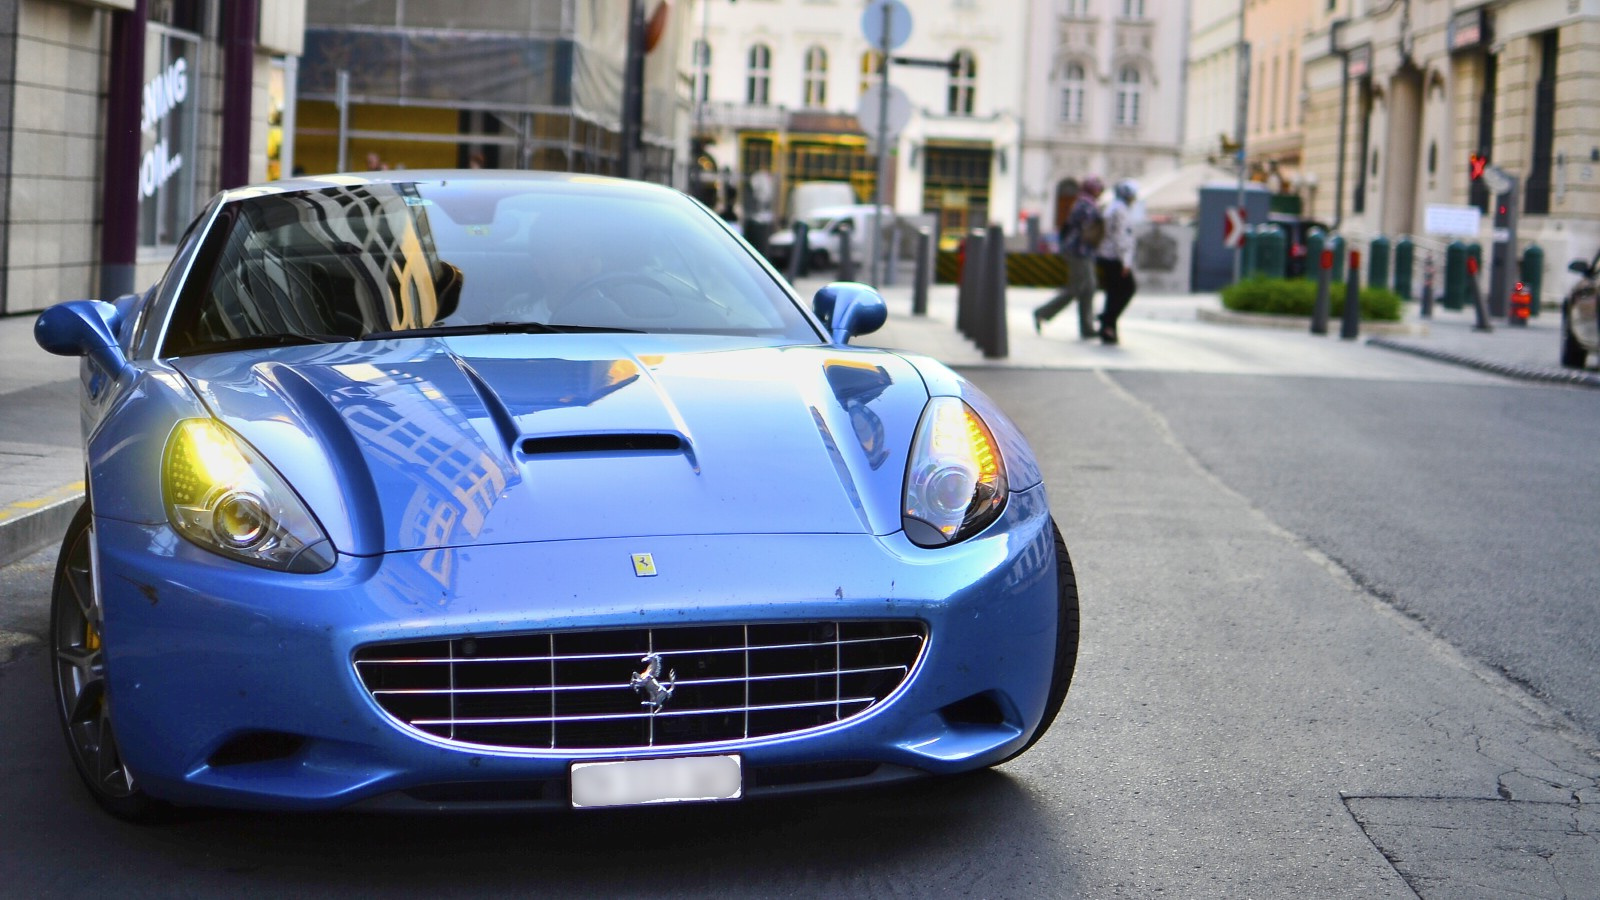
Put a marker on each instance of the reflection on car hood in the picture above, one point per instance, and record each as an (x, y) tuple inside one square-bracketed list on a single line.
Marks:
[(448, 442)]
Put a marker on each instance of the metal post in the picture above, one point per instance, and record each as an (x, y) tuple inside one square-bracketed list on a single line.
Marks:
[(883, 146), (1334, 28), (971, 283), (1427, 285), (892, 257), (1350, 328), (1319, 311), (847, 262), (919, 282), (1241, 115), (633, 93), (291, 105), (994, 342), (799, 252), (341, 99)]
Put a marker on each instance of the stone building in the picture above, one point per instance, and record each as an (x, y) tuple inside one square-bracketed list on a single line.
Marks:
[(1105, 93), (1428, 84), (778, 84), (87, 210), (518, 84)]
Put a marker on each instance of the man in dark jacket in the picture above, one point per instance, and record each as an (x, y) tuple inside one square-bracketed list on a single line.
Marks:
[(1078, 239)]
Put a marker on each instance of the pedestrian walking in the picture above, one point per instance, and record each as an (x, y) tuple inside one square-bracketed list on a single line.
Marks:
[(1113, 259), (1080, 231)]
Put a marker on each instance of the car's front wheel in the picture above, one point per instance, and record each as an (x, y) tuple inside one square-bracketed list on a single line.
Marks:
[(77, 651), (1573, 356)]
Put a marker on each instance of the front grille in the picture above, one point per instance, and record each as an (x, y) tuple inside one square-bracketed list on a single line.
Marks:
[(572, 690)]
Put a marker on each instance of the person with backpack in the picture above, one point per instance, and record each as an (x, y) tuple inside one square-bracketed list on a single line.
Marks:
[(1081, 231), (1113, 259)]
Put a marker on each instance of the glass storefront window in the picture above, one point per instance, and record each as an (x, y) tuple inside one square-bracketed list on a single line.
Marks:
[(169, 121)]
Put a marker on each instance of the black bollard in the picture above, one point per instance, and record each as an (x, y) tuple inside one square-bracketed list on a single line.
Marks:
[(847, 263), (919, 283), (971, 284), (1479, 307), (1319, 311), (1427, 286), (1350, 328), (800, 252), (995, 344)]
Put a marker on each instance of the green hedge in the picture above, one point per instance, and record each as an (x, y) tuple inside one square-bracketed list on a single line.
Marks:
[(1297, 296)]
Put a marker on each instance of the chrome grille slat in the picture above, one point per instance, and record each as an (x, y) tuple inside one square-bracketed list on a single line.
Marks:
[(612, 687), (641, 715), (627, 656), (571, 690)]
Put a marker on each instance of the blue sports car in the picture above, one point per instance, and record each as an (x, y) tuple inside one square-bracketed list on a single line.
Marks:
[(424, 490)]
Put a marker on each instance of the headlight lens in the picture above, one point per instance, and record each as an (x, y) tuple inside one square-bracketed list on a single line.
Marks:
[(224, 497), (956, 480)]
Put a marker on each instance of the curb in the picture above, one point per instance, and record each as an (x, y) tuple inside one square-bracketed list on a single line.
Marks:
[(1521, 373), (30, 525), (1303, 323)]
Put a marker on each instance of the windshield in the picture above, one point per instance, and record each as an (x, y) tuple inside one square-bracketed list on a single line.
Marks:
[(455, 257)]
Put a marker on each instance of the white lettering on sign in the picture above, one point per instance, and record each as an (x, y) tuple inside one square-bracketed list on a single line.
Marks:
[(158, 166), (164, 92)]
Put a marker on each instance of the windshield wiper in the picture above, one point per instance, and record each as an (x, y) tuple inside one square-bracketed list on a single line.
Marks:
[(495, 328), (260, 341)]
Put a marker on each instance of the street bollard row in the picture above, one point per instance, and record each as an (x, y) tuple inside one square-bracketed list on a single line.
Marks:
[(981, 297)]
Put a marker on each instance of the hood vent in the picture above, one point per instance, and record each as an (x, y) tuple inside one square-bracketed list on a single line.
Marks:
[(603, 443)]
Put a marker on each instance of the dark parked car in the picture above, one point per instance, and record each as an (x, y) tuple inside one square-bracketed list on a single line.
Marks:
[(1579, 334)]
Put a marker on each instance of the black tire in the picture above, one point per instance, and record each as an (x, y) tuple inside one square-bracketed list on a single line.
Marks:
[(1573, 356), (77, 662), (1066, 642)]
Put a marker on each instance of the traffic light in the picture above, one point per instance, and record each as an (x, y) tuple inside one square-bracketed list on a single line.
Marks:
[(1475, 164)]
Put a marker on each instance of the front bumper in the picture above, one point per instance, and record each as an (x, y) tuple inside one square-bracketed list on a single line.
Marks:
[(203, 654)]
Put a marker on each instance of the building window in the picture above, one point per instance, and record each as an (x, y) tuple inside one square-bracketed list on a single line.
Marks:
[(760, 75), (963, 84), (1129, 91), (1075, 9), (1072, 87), (816, 78), (1133, 9), (871, 62), (702, 71)]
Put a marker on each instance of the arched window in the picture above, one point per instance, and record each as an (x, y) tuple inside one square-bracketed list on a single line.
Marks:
[(1129, 90), (702, 71), (871, 62), (816, 78), (759, 75), (1072, 86), (963, 84)]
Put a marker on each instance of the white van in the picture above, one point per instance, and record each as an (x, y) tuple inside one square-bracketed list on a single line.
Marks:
[(807, 197), (824, 226)]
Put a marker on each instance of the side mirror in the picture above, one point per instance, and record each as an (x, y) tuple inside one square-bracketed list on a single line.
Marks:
[(1578, 267), (82, 328), (849, 309)]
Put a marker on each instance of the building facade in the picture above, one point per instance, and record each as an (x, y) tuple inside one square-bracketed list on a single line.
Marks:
[(1106, 89), (779, 83), (1425, 85), (58, 90), (519, 84), (1210, 123)]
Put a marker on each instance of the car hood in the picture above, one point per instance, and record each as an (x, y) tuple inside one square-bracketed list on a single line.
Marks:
[(448, 442)]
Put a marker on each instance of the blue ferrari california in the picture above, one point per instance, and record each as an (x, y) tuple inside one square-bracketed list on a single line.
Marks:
[(421, 490)]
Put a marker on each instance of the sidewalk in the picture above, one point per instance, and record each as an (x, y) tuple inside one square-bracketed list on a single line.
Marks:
[(41, 463)]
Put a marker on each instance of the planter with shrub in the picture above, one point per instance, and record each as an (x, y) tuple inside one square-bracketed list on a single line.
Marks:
[(1297, 297)]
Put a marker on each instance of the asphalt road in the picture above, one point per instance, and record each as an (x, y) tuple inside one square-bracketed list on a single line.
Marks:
[(1280, 691)]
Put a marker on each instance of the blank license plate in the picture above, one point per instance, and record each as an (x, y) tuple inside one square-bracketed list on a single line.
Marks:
[(634, 782)]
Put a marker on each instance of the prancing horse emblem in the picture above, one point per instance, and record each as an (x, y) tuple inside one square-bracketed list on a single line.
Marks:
[(647, 684)]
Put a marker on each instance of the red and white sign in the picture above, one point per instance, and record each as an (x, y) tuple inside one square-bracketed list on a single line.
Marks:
[(1233, 221)]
